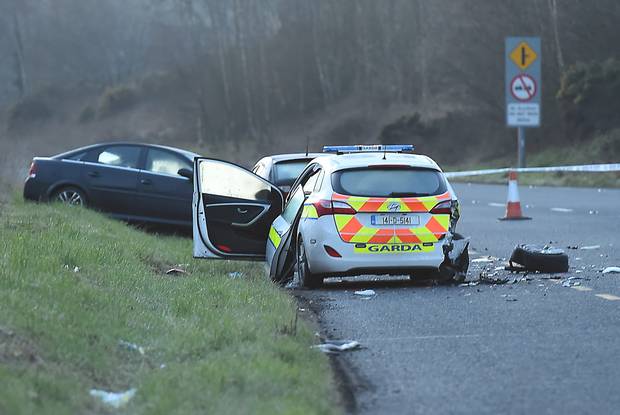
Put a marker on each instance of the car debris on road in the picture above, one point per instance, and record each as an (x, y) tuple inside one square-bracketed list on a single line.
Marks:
[(366, 293), (337, 346), (590, 247)]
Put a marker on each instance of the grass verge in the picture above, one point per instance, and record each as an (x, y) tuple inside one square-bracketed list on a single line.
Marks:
[(73, 284), (603, 149)]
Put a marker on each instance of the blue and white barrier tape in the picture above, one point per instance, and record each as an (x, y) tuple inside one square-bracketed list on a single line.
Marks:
[(585, 168)]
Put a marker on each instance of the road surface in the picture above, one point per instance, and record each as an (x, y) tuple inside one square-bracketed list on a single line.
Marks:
[(530, 347)]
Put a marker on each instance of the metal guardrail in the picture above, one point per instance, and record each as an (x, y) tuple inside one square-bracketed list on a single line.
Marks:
[(596, 168)]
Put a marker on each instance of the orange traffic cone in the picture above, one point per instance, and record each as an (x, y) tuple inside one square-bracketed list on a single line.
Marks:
[(513, 205)]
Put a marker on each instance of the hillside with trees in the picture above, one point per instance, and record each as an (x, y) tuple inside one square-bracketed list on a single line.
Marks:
[(243, 78)]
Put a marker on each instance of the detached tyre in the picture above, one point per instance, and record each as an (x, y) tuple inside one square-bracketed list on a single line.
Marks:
[(539, 258), (306, 278), (69, 195)]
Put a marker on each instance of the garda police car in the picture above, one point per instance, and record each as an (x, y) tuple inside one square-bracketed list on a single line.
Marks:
[(355, 210)]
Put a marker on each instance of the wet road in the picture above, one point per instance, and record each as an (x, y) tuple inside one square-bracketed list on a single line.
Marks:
[(529, 347)]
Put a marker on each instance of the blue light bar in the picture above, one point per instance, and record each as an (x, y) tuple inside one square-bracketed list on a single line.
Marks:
[(360, 148)]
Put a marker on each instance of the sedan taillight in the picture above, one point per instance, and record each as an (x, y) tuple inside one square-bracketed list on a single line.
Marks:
[(32, 172)]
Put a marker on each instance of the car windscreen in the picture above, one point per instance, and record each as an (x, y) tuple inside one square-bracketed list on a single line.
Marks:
[(389, 182), (286, 172)]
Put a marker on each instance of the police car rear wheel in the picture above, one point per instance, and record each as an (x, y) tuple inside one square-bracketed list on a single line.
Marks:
[(306, 278)]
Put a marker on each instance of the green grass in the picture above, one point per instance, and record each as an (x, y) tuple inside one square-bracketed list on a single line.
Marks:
[(213, 344), (603, 149)]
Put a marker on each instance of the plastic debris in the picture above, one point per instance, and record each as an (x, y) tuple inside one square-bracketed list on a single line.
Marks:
[(484, 259), (590, 247), (570, 282), (609, 270), (551, 251), (113, 399), (492, 278), (131, 346), (337, 346), (366, 293), (175, 271), (236, 274), (76, 269)]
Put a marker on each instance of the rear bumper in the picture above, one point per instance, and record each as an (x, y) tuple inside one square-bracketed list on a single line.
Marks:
[(34, 189), (317, 236)]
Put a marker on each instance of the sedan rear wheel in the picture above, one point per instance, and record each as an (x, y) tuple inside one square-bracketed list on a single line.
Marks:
[(71, 196)]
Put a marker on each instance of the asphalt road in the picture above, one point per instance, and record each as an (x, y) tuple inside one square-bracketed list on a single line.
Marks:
[(530, 347)]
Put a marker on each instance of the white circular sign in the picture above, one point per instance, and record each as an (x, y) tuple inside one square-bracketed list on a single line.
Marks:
[(523, 87)]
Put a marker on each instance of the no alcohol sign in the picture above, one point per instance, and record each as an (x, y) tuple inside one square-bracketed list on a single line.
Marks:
[(522, 81)]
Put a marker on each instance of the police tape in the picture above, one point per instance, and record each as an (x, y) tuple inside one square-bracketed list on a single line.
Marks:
[(596, 168)]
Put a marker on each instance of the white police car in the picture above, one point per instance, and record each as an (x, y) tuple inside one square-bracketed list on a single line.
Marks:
[(361, 210)]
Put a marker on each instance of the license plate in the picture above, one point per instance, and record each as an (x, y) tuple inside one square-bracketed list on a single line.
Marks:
[(395, 219)]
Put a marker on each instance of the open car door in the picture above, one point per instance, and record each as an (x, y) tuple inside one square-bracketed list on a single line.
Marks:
[(282, 241), (233, 210)]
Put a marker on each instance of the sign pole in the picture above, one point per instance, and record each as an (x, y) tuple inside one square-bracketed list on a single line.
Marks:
[(521, 146)]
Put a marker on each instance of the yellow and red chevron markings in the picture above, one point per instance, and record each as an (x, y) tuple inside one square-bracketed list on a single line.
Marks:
[(380, 204), (353, 231)]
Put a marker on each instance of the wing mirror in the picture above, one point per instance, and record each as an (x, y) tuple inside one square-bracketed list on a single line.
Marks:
[(187, 173)]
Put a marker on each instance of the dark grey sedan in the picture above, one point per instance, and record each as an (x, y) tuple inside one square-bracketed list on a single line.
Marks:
[(134, 182)]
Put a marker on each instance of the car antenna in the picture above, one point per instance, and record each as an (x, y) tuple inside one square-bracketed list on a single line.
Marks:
[(307, 144)]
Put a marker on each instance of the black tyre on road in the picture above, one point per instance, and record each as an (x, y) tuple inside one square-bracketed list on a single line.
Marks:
[(542, 259), (306, 278)]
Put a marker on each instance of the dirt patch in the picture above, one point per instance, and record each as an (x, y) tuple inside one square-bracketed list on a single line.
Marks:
[(16, 349)]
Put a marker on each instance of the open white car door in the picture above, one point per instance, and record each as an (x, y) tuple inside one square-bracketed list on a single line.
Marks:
[(233, 210)]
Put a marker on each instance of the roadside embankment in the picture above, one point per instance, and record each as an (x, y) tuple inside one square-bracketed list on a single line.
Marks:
[(86, 303)]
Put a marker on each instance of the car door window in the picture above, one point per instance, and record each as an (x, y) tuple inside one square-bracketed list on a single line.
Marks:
[(120, 156), (165, 162), (319, 181), (311, 183), (293, 205), (228, 180)]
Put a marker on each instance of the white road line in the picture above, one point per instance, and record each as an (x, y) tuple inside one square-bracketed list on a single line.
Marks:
[(494, 204), (429, 337), (565, 210), (608, 297), (581, 288)]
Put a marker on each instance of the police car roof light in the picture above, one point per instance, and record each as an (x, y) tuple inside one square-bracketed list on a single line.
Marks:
[(361, 148)]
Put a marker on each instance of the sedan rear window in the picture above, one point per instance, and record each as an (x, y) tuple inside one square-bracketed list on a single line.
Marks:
[(389, 182), (286, 172)]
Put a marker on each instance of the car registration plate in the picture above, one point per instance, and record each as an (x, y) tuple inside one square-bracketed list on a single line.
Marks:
[(395, 219)]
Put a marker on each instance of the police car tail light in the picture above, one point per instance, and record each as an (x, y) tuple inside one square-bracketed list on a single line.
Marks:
[(342, 208), (331, 251), (328, 207), (442, 208)]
